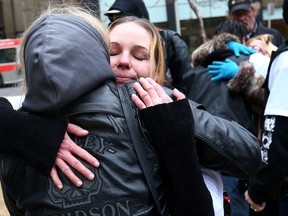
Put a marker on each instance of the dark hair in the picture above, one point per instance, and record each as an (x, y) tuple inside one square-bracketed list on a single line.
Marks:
[(232, 27)]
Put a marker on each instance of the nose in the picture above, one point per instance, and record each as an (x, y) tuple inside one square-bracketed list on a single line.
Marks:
[(124, 62), (240, 17)]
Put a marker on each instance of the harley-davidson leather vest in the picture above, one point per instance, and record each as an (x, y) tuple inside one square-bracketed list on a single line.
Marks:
[(120, 186)]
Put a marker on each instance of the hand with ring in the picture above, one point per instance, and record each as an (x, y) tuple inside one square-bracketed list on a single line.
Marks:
[(150, 94), (254, 206)]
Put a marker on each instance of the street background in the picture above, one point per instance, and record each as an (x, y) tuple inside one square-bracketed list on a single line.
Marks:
[(10, 91)]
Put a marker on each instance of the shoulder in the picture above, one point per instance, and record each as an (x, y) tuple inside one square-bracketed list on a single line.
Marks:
[(277, 39), (168, 34), (261, 27)]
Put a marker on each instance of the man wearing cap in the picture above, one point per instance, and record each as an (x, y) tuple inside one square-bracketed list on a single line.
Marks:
[(245, 11)]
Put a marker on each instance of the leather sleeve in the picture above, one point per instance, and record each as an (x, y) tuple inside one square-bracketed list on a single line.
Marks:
[(35, 139), (171, 129), (225, 145)]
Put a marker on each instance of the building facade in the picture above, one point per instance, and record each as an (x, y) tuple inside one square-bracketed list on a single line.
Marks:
[(17, 15)]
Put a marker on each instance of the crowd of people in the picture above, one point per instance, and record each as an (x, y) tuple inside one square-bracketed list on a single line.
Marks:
[(124, 121)]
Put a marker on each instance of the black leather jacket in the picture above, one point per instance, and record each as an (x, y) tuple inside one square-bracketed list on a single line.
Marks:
[(119, 186)]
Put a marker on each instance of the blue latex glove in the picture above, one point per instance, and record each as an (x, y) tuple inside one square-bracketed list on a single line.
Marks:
[(223, 69), (238, 48)]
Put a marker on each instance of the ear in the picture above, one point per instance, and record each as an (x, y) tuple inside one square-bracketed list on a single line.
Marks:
[(269, 38)]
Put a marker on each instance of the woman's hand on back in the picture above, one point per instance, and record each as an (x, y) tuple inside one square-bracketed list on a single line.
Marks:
[(66, 158)]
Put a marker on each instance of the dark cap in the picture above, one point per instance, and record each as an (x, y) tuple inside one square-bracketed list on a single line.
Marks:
[(113, 12), (235, 5), (128, 8)]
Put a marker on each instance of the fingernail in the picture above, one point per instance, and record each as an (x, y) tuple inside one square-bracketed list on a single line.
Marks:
[(96, 164), (59, 186), (79, 183), (91, 176)]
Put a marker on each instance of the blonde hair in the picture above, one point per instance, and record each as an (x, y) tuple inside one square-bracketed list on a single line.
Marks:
[(156, 48), (73, 10), (265, 42)]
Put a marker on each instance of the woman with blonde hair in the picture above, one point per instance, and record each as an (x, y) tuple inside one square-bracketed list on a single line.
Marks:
[(142, 33)]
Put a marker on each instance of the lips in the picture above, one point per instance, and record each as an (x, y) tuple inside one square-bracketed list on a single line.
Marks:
[(122, 79)]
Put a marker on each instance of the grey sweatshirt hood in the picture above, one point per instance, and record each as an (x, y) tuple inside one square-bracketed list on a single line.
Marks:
[(64, 57)]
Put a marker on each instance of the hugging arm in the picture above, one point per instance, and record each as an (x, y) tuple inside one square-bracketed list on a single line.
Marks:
[(39, 141), (170, 126), (238, 48), (222, 145), (35, 139), (223, 69)]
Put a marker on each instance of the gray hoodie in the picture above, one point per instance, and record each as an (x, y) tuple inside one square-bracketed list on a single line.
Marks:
[(65, 57)]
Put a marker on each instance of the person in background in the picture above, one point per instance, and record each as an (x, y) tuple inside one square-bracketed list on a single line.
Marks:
[(177, 57), (251, 74), (246, 11), (207, 86), (268, 189)]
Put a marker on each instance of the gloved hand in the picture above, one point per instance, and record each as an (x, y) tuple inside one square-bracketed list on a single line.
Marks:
[(238, 48), (223, 69)]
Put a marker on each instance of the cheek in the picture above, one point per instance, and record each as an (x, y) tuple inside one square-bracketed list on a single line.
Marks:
[(250, 19), (113, 61), (141, 69)]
